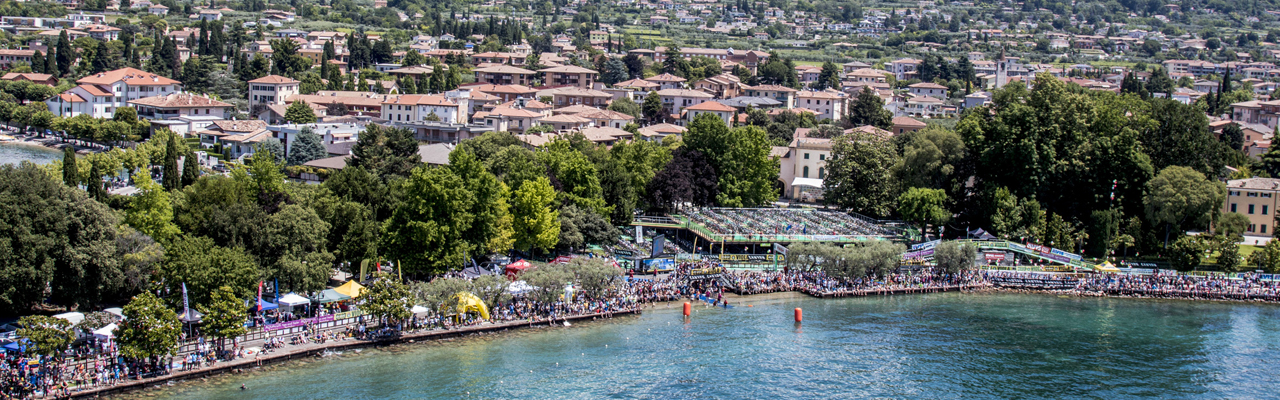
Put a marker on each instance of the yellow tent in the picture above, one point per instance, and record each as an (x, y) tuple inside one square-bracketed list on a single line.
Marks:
[(468, 302), (1107, 267), (351, 288)]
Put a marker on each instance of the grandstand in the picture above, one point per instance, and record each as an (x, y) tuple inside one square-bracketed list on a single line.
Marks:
[(776, 225)]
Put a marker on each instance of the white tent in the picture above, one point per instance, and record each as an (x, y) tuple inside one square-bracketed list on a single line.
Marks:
[(418, 309), (117, 311), (73, 316), (105, 332), (519, 287), (291, 300)]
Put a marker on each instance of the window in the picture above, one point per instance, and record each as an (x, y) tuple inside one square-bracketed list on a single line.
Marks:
[(806, 171), (1251, 227), (1252, 194), (1264, 228), (1251, 209), (806, 156), (1264, 210), (821, 173), (1267, 195), (822, 156), (1233, 207)]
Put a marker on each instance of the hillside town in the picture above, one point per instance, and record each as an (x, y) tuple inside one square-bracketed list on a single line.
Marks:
[(189, 159)]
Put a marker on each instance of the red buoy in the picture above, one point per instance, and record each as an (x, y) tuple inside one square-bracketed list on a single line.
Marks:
[(688, 309), (799, 314)]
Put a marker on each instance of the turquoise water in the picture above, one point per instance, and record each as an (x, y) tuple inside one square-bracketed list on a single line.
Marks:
[(955, 346), (16, 153)]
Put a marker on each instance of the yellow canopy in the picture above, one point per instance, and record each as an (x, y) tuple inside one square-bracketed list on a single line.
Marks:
[(1107, 267), (351, 288), (468, 302)]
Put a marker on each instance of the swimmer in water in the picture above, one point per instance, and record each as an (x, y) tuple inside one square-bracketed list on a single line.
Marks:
[(242, 387)]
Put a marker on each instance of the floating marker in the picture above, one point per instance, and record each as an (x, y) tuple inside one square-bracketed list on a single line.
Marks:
[(687, 309), (799, 314)]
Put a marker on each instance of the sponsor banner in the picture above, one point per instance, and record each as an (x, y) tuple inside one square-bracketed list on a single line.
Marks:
[(660, 264), (1065, 254), (623, 253), (825, 238), (297, 323), (918, 254), (993, 256), (688, 257), (1039, 248), (348, 314), (1136, 271), (779, 249), (1019, 247), (1058, 258), (926, 245)]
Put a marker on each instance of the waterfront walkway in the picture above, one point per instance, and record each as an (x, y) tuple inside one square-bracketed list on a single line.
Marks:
[(313, 349)]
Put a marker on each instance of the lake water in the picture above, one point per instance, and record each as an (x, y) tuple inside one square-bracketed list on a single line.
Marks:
[(950, 345), (17, 153)]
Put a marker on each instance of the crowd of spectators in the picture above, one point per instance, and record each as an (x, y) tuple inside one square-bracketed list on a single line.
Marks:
[(782, 222)]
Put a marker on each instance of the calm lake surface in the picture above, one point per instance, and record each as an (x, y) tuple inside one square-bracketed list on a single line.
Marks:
[(950, 345), (17, 153)]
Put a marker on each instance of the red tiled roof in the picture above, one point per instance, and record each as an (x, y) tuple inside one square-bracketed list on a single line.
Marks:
[(130, 76)]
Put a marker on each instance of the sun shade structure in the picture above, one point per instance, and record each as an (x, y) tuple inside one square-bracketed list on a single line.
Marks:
[(330, 295), (351, 289), (468, 302), (290, 300)]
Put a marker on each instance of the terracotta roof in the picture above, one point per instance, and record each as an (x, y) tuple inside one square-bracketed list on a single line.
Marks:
[(874, 131), (130, 76), (528, 104), (420, 99), (604, 134), (577, 91), (179, 100), (514, 89), (908, 122), (95, 90), (926, 85), (665, 129), (274, 79), (665, 78), (684, 93), (772, 88), (71, 98), (513, 112), (568, 69), (504, 69), (28, 76), (1255, 183), (636, 83), (240, 126), (17, 52), (809, 94), (314, 99), (566, 118), (710, 106), (574, 109), (605, 114)]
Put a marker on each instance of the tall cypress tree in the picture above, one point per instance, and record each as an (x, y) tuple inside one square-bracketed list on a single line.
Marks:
[(95, 186), (37, 62), (171, 179), (190, 169), (126, 53), (66, 56), (51, 63), (70, 174)]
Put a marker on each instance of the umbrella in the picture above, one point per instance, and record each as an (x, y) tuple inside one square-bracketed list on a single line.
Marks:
[(73, 316), (117, 311), (16, 346), (264, 305), (350, 289), (330, 295), (191, 316), (290, 300), (418, 309), (106, 332)]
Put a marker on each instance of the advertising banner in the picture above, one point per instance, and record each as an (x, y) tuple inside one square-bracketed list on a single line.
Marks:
[(297, 323)]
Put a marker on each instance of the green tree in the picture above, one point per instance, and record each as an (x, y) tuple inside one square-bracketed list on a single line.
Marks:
[(151, 211), (931, 158), (829, 77), (300, 113), (385, 152), (491, 229), (70, 176), (1179, 196), (426, 231), (653, 110), (224, 315), (859, 174), (578, 177), (190, 169), (149, 329), (1267, 258), (205, 267), (741, 156), (387, 300), (953, 257), (626, 106), (307, 147), (1232, 225), (1185, 253), (172, 181), (536, 223), (924, 207), (868, 109), (49, 336)]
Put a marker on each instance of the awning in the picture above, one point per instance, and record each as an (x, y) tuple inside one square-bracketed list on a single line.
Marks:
[(117, 311), (105, 332), (263, 305), (330, 295), (351, 289), (17, 346), (290, 300), (515, 268), (808, 182), (74, 317)]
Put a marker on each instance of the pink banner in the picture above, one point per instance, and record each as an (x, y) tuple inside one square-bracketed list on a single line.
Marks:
[(297, 323)]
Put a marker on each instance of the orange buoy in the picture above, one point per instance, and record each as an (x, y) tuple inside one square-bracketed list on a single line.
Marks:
[(799, 314), (688, 309)]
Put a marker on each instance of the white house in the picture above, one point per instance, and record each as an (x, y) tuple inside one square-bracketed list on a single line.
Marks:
[(271, 89), (417, 107), (100, 94)]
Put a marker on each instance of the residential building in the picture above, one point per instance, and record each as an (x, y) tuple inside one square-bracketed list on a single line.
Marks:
[(904, 69), (928, 89), (903, 125), (174, 105), (419, 107), (1256, 198), (10, 56), (43, 79), (667, 81), (783, 94), (505, 75), (722, 86), (571, 95), (330, 133), (569, 75), (673, 100), (828, 103), (724, 112), (271, 89), (100, 94)]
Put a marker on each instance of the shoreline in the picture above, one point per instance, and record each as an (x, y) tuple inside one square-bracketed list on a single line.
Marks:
[(318, 349)]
